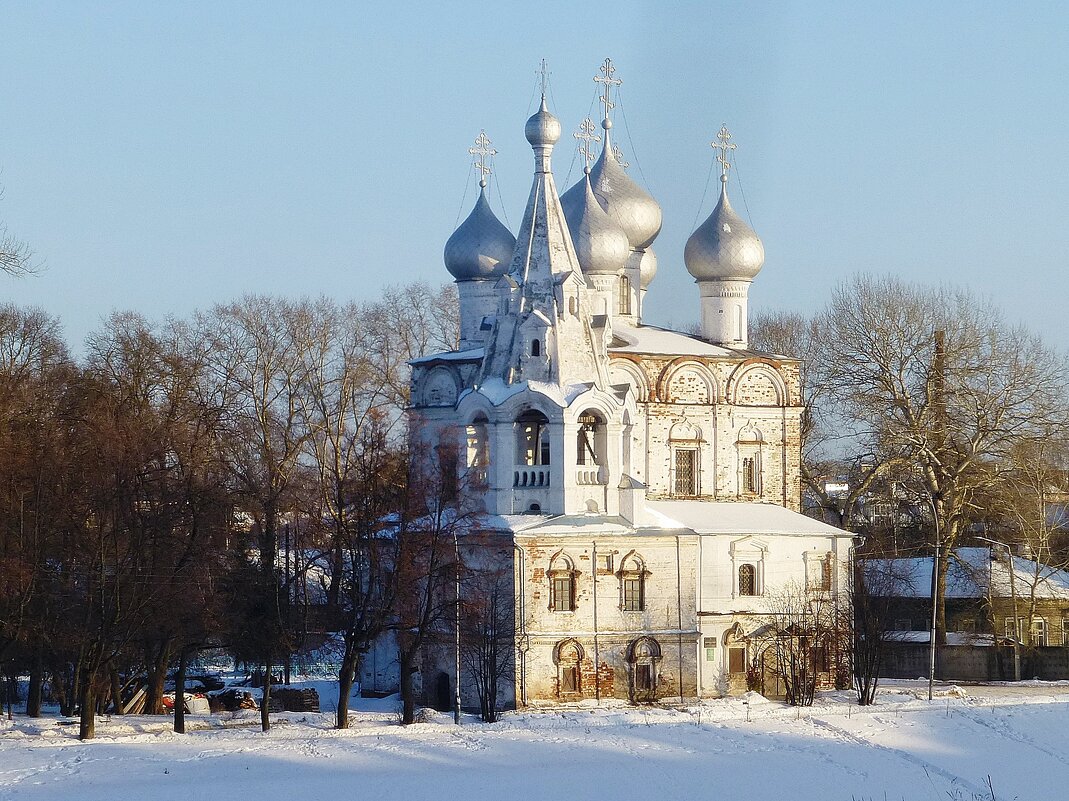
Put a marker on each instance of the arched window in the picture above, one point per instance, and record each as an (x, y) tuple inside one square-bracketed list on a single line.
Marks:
[(536, 347), (632, 584), (561, 584), (747, 580), (685, 440), (590, 439), (625, 295), (749, 451), (568, 654), (478, 456), (532, 441), (644, 655)]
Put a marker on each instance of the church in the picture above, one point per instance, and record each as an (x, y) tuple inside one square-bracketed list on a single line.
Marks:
[(642, 485)]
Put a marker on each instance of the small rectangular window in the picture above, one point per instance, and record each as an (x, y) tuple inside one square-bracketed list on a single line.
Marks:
[(605, 563)]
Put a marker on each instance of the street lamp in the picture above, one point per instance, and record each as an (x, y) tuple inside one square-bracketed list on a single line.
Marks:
[(1013, 595)]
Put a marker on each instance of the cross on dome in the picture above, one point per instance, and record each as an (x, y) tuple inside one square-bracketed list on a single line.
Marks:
[(587, 138), (543, 75), (605, 79), (482, 152), (724, 146)]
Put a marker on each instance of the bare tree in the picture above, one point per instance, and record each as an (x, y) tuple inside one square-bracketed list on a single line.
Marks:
[(16, 258), (936, 383), (488, 630), (257, 350), (877, 584), (801, 637)]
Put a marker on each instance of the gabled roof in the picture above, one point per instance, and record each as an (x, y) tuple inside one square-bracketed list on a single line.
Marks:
[(969, 575)]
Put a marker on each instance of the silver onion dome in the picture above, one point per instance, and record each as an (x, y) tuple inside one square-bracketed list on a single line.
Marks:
[(624, 201), (600, 244), (481, 247), (542, 129), (724, 248), (647, 268)]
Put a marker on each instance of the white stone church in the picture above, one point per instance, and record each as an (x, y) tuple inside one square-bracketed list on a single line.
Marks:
[(643, 483)]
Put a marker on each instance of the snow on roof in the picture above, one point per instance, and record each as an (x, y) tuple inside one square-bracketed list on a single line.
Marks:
[(469, 355), (699, 517), (651, 339), (719, 517), (497, 391), (970, 572)]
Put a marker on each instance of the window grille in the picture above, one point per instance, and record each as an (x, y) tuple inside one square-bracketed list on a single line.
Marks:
[(633, 594), (747, 580), (686, 463)]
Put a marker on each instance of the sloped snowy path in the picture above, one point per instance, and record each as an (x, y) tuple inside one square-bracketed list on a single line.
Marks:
[(904, 748)]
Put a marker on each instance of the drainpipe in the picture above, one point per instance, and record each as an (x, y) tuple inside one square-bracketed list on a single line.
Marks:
[(521, 605), (699, 663), (597, 664)]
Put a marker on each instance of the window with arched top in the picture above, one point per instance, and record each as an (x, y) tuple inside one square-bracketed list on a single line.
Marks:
[(532, 440), (751, 474), (590, 439), (632, 584), (536, 347), (568, 655), (478, 447), (625, 295), (747, 580), (685, 441), (644, 657), (561, 576)]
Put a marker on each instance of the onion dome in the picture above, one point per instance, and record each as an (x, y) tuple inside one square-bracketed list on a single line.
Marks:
[(629, 206), (600, 244), (481, 248), (542, 129), (724, 248), (647, 268)]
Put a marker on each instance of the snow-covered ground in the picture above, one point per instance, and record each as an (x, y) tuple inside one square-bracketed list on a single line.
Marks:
[(903, 748)]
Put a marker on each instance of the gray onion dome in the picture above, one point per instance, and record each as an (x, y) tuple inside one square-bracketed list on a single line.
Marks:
[(647, 268), (481, 248), (542, 129), (600, 244), (724, 248), (629, 206)]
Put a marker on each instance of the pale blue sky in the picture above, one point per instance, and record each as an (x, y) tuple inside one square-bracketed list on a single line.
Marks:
[(164, 156)]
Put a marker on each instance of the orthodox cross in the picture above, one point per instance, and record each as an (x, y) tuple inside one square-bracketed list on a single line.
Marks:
[(482, 152), (725, 147), (543, 75), (587, 138), (618, 154), (606, 79)]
